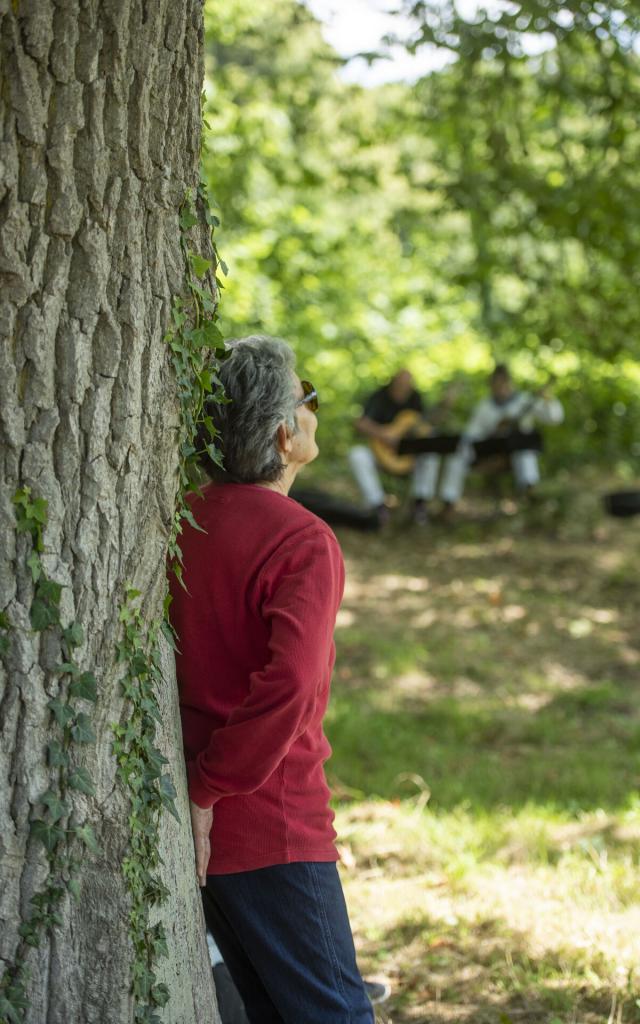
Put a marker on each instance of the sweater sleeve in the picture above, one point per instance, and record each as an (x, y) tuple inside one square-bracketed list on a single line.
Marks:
[(548, 410), (302, 584)]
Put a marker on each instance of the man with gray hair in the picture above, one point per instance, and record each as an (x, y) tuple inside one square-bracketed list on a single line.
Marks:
[(263, 581)]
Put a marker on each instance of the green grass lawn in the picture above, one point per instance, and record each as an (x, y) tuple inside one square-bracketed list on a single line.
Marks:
[(485, 722)]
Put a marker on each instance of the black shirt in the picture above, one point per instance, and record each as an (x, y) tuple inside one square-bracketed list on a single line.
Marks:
[(381, 408)]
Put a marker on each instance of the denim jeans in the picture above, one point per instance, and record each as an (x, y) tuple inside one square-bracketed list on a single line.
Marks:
[(285, 936)]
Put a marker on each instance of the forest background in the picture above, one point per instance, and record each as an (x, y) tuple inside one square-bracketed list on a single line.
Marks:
[(484, 212)]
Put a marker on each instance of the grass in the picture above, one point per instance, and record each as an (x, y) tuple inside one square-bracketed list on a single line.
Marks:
[(485, 722)]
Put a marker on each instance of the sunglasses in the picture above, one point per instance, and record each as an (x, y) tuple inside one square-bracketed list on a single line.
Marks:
[(310, 396)]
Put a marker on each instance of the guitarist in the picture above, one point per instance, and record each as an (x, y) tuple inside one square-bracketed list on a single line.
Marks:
[(380, 410), (505, 410)]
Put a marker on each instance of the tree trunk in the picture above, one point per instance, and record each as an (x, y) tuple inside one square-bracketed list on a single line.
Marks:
[(100, 107)]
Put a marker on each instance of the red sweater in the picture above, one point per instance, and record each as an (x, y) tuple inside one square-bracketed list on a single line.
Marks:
[(255, 638)]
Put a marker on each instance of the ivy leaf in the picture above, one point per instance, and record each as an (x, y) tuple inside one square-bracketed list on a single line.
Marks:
[(73, 885), (86, 835), (62, 712), (57, 808), (160, 994), (207, 336), (35, 564), (215, 455), (80, 779), (177, 571), (168, 795), (178, 318), (187, 219), (82, 730), (67, 668), (57, 755), (12, 1010), (200, 264), (21, 497), (211, 428), (4, 621), (150, 706), (212, 334), (170, 635), (159, 940), (29, 933), (188, 515), (43, 614), (38, 510), (48, 834), (73, 635), (85, 686), (49, 590)]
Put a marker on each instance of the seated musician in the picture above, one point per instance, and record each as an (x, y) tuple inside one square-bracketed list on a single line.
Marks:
[(381, 423), (504, 410)]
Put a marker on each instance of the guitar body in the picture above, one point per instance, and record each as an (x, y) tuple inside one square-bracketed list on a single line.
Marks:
[(407, 423)]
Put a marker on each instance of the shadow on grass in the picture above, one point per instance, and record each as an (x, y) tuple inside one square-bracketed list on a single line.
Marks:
[(500, 670), (485, 973), (574, 753)]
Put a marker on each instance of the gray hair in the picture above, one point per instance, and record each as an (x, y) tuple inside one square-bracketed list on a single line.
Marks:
[(258, 382)]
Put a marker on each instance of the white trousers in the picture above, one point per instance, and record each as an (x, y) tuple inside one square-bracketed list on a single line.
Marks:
[(363, 466), (524, 466)]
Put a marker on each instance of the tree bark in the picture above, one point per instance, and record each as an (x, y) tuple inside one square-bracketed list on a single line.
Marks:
[(100, 137)]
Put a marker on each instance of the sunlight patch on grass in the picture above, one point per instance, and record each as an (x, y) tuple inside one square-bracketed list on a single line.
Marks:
[(489, 914)]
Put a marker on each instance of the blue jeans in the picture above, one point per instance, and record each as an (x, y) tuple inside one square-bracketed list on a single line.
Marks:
[(285, 936)]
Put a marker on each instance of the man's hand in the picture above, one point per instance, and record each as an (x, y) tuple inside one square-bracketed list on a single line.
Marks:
[(201, 822), (387, 437)]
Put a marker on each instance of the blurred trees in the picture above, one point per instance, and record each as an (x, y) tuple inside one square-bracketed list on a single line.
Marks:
[(487, 211)]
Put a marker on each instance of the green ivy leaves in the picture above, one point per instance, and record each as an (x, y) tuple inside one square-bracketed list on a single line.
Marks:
[(55, 828), (198, 263), (141, 769), (197, 348), (5, 626)]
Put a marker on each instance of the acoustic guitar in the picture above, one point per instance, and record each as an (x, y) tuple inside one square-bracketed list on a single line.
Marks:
[(407, 424)]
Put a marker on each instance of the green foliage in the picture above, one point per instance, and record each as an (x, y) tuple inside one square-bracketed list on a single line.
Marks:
[(197, 347), (5, 626), (536, 154), (56, 828), (31, 518), (486, 212), (140, 769)]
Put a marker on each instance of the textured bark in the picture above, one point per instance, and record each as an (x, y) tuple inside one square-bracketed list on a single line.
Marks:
[(100, 132)]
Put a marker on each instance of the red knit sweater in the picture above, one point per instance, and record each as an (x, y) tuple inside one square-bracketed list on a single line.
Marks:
[(255, 637)]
